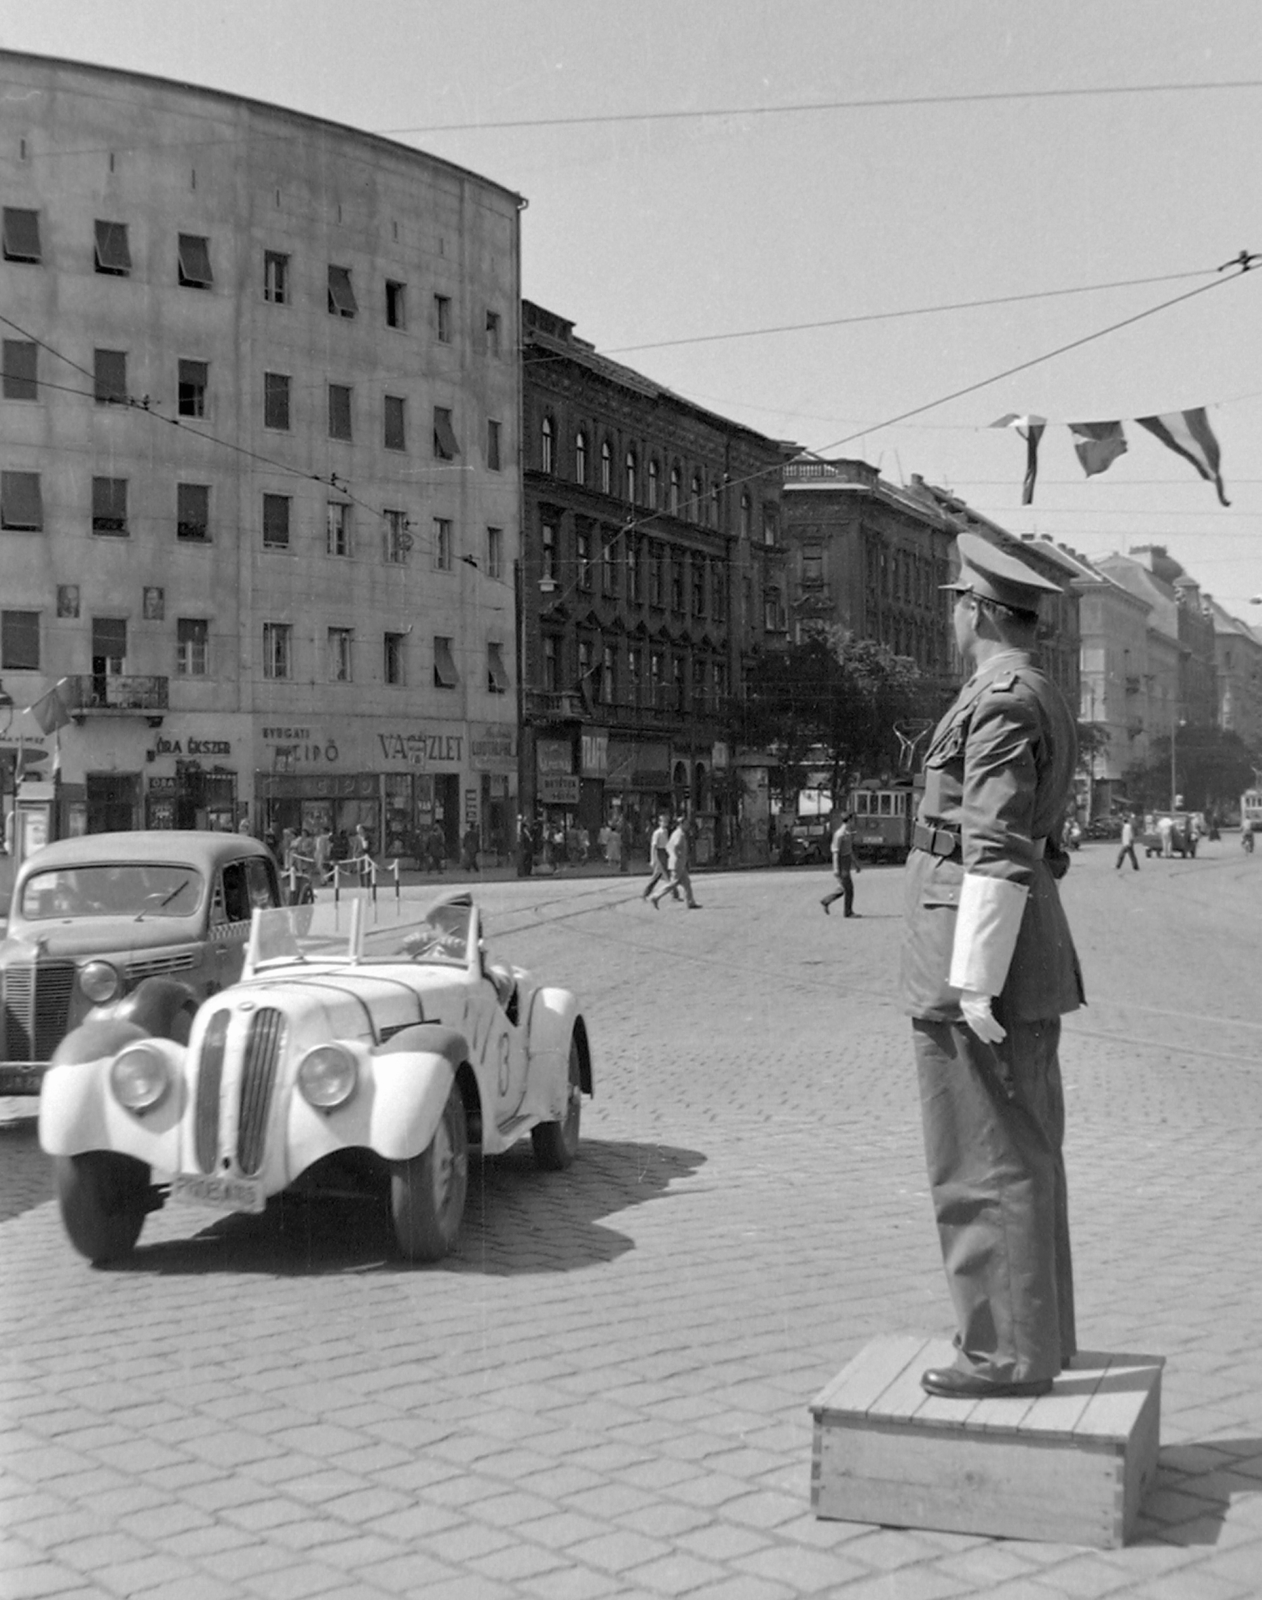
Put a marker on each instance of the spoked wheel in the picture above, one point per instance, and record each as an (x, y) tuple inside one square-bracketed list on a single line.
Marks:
[(556, 1143), (427, 1193), (103, 1197)]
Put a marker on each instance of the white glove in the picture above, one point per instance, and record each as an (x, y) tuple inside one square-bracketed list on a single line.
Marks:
[(979, 1017)]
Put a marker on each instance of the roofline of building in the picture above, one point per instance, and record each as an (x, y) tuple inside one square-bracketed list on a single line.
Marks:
[(308, 119), (586, 355), (878, 489)]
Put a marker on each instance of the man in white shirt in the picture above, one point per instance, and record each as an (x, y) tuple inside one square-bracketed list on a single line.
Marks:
[(1128, 846), (844, 866), (677, 861), (659, 862)]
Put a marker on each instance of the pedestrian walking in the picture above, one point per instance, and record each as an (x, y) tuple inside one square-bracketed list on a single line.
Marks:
[(677, 865), (659, 863), (844, 865), (1128, 845), (989, 968), (613, 846), (1165, 832), (469, 848)]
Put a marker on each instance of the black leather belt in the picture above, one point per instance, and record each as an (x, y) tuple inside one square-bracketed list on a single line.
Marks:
[(938, 841)]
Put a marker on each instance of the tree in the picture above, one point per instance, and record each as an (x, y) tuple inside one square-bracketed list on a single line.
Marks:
[(832, 701), (1211, 769)]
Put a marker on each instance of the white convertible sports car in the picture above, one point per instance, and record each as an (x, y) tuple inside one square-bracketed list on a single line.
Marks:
[(319, 1070)]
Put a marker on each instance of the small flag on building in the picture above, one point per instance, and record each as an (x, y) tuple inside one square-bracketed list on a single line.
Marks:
[(1189, 435), (1031, 430), (49, 710), (1098, 444)]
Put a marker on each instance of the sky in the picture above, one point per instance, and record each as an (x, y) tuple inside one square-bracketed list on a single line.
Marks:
[(690, 217)]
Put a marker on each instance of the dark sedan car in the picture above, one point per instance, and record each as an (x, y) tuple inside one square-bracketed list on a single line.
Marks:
[(138, 925)]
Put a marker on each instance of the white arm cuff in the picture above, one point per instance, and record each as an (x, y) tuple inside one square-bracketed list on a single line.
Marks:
[(986, 931)]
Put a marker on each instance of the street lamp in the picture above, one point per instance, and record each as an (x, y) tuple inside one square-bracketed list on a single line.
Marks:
[(1175, 725)]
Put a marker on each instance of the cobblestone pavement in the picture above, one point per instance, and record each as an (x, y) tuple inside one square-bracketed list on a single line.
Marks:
[(604, 1393)]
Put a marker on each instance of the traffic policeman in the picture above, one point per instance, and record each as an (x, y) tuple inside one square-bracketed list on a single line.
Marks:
[(989, 968)]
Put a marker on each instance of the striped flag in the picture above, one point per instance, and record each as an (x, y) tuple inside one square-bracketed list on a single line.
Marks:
[(49, 710), (1030, 429), (1189, 435), (1098, 444)]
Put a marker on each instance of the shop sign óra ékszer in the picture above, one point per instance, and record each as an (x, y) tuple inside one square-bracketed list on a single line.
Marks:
[(193, 747)]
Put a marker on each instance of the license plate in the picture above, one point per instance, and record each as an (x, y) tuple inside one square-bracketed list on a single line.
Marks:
[(229, 1194)]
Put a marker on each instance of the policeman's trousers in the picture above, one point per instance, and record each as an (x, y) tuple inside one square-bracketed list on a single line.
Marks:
[(994, 1122)]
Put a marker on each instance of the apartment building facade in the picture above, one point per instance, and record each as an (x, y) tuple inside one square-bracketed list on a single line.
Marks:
[(653, 565), (260, 500)]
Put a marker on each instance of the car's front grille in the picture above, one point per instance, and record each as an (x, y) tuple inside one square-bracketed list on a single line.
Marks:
[(258, 1073), (36, 1008), (252, 1069), (209, 1078), (159, 965)]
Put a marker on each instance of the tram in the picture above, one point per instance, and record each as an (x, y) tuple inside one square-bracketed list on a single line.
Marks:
[(883, 817), (1251, 809)]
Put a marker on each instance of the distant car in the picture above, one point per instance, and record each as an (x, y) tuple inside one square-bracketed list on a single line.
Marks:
[(1183, 839), (137, 926), (320, 1071)]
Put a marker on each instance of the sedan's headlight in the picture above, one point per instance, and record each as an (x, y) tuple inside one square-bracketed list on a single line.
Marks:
[(139, 1076), (327, 1076), (100, 982)]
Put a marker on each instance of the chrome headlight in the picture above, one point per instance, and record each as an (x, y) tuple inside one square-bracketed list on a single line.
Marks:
[(100, 982), (139, 1076), (327, 1076)]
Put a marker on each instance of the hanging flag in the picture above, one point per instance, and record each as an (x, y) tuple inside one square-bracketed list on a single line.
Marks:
[(1030, 429), (49, 710), (1189, 435), (1098, 444)]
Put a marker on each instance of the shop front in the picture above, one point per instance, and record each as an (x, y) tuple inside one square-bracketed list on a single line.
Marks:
[(415, 789)]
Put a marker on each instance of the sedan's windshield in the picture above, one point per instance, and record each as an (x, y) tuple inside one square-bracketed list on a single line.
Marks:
[(151, 889)]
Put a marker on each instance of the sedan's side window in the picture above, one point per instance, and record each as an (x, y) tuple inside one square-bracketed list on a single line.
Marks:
[(236, 892), (218, 910), (262, 893)]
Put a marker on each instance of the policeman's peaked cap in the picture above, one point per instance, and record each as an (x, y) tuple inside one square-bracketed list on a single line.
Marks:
[(993, 574)]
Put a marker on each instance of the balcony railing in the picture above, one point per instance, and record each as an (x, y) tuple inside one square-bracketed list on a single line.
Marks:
[(106, 694)]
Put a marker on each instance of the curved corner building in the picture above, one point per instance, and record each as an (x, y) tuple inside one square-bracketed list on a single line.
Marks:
[(259, 503)]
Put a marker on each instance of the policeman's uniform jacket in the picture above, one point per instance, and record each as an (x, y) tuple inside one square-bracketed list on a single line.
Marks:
[(998, 775)]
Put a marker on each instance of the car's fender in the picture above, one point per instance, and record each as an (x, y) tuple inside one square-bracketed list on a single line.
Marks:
[(404, 1085), (155, 1005), (77, 1111), (554, 1018)]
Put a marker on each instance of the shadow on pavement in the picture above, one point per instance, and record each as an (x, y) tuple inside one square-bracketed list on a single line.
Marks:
[(1194, 1486), (518, 1220), (26, 1173)]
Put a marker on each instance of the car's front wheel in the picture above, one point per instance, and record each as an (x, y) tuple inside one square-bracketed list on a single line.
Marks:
[(104, 1197), (427, 1193), (556, 1143)]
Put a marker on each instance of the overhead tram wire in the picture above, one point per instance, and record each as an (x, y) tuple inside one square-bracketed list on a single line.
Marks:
[(883, 103), (913, 311)]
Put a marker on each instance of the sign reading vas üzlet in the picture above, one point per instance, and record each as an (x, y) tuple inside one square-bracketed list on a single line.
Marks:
[(422, 749)]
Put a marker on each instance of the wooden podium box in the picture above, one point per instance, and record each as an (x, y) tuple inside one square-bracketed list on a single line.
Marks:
[(1069, 1467)]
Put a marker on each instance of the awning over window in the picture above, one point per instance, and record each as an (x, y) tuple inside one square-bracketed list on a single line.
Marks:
[(341, 295), (112, 254), (496, 676), (444, 435), (21, 235), (445, 674), (21, 504), (195, 261)]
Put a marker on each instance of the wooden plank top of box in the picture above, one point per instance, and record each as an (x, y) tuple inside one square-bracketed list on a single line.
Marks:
[(1097, 1398)]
